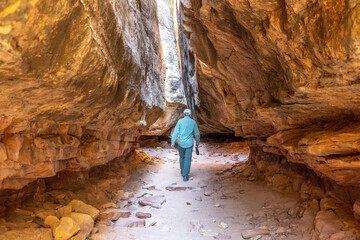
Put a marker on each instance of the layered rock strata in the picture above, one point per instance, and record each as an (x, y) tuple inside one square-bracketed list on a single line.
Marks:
[(79, 80), (284, 72), (329, 206)]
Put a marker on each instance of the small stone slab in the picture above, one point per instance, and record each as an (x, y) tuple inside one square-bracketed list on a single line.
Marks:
[(153, 201), (113, 214), (136, 223), (254, 232), (177, 188), (143, 215)]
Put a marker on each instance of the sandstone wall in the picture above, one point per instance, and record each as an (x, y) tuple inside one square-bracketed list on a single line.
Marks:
[(78, 80), (285, 72)]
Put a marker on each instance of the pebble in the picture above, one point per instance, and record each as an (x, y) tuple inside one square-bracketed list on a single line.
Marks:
[(199, 198), (208, 193), (223, 225)]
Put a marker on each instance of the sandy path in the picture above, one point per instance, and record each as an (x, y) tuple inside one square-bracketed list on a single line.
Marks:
[(234, 204)]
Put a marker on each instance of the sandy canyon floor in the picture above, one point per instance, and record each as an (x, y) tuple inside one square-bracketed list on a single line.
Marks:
[(215, 203)]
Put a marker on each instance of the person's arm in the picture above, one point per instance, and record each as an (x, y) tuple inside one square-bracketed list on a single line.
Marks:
[(175, 134), (197, 134)]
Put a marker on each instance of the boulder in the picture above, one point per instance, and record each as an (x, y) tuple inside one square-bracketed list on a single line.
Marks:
[(86, 224), (66, 229), (52, 221), (64, 211), (327, 223), (79, 206)]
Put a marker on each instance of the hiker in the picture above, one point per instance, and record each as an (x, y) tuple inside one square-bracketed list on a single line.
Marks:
[(186, 128)]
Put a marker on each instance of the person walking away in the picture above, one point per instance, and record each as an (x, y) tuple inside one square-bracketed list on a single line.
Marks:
[(186, 129)]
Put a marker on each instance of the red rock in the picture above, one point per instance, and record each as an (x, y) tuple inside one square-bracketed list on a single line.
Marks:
[(113, 214), (153, 201), (143, 215)]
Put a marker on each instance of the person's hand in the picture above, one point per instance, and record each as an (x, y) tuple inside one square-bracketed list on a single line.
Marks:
[(173, 146)]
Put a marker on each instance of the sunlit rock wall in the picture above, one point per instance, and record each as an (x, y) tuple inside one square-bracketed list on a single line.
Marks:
[(285, 71), (78, 81), (188, 66), (181, 89), (173, 82)]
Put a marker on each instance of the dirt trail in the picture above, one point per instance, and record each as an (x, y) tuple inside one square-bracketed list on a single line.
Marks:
[(221, 204)]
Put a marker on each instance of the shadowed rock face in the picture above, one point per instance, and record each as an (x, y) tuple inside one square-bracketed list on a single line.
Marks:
[(78, 79), (282, 70)]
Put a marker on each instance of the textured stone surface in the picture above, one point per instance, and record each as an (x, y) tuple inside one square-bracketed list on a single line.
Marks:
[(282, 70), (79, 206), (29, 233), (86, 224), (78, 79), (66, 229)]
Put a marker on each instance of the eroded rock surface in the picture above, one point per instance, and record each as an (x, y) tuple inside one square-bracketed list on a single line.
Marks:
[(79, 81), (284, 70)]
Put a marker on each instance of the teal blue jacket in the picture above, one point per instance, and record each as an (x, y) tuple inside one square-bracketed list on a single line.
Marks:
[(186, 128)]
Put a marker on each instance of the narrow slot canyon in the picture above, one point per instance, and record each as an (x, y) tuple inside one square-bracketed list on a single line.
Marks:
[(91, 91)]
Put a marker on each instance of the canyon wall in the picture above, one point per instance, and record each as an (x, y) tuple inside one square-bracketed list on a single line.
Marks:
[(79, 81), (175, 98), (283, 72)]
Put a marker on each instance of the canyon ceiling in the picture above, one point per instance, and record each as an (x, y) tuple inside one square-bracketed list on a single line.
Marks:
[(81, 80)]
